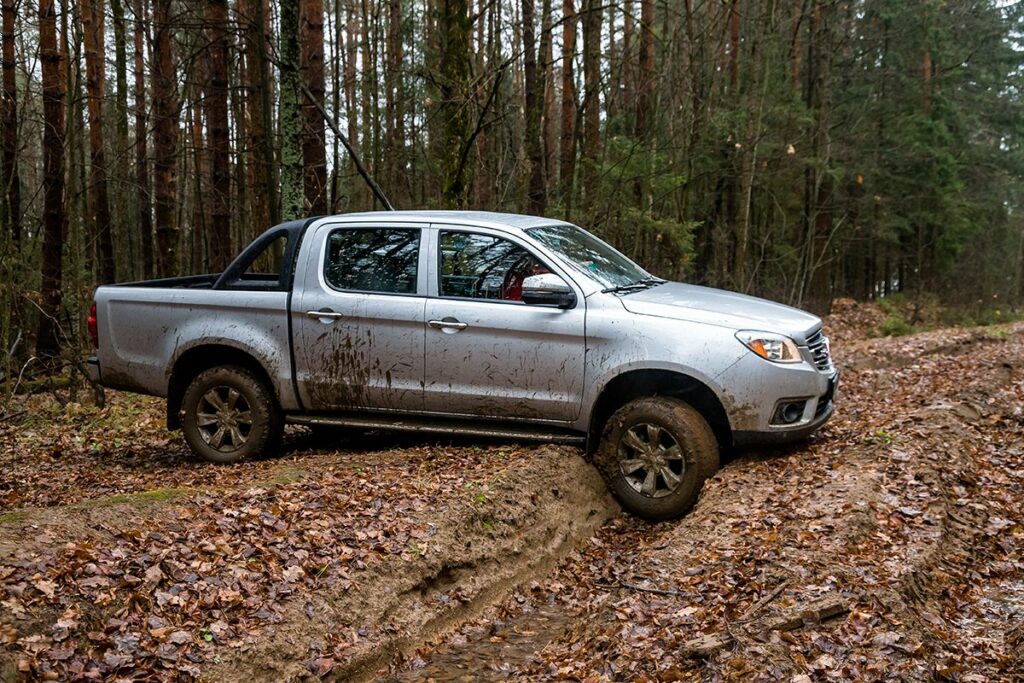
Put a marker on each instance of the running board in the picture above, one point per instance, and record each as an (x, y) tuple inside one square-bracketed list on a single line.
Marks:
[(435, 426)]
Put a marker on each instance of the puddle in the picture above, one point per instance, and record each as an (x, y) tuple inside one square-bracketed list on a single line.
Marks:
[(493, 652)]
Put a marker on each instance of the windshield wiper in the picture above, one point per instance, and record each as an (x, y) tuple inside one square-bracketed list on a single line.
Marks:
[(635, 286)]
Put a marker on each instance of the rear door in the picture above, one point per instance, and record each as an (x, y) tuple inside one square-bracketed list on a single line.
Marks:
[(488, 353), (358, 321)]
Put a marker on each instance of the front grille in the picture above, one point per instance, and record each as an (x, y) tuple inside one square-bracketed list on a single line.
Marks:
[(826, 400), (818, 344)]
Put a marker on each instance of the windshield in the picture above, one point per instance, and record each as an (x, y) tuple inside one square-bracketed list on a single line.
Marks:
[(589, 255)]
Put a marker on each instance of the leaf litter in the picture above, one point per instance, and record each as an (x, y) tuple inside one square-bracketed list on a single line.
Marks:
[(123, 558)]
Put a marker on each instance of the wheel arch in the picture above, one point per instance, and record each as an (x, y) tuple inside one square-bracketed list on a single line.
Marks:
[(203, 357), (643, 382)]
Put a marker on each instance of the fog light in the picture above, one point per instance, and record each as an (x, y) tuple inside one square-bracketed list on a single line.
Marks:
[(789, 412)]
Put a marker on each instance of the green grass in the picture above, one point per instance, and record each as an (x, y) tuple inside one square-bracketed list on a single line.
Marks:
[(142, 497), (895, 326), (14, 516), (908, 316)]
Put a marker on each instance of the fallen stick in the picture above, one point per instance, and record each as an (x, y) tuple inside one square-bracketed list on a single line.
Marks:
[(641, 589), (807, 614), (11, 416), (764, 601)]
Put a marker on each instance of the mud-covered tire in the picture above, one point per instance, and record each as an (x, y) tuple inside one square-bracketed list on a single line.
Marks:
[(229, 414), (683, 453)]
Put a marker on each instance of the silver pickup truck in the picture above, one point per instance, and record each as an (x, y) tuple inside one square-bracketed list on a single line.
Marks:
[(468, 323)]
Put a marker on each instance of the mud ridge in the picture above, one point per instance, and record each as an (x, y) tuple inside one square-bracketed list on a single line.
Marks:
[(480, 553)]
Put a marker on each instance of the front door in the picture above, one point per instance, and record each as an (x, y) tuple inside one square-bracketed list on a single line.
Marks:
[(359, 329), (488, 353)]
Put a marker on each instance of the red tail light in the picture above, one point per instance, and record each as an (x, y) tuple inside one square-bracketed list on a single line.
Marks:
[(93, 331)]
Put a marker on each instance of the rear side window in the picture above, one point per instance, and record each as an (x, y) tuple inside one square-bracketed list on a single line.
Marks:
[(373, 260)]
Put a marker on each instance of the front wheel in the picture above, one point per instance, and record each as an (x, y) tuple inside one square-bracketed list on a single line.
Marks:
[(230, 414), (655, 454)]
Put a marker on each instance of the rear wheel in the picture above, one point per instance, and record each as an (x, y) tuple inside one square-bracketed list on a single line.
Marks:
[(230, 414), (655, 454)]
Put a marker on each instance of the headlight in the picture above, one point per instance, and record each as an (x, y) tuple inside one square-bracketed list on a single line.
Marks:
[(777, 348)]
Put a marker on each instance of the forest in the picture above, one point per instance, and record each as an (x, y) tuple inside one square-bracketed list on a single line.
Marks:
[(800, 150)]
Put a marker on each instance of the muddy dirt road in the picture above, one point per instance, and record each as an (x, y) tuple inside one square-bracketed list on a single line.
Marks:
[(888, 547)]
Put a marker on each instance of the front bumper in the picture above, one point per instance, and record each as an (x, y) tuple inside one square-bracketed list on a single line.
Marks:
[(758, 388), (779, 436)]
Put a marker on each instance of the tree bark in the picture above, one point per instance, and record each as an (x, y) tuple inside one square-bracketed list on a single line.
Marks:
[(646, 75), (48, 341), (453, 34), (216, 104), (291, 121), (144, 214), (819, 191), (550, 113), (567, 163), (165, 140), (10, 178), (314, 144), (125, 240), (394, 99), (591, 98), (260, 127), (95, 85), (536, 199)]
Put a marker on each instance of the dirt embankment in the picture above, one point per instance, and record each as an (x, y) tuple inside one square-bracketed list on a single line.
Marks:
[(888, 547), (312, 573)]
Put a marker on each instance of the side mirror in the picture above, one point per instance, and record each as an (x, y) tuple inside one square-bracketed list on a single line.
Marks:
[(548, 289)]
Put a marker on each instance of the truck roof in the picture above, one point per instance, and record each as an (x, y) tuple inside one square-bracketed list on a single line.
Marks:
[(485, 218)]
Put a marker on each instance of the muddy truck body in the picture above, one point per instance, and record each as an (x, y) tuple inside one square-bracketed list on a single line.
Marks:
[(484, 324)]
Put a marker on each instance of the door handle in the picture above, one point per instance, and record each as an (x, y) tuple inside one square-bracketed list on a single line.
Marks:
[(448, 324), (326, 313)]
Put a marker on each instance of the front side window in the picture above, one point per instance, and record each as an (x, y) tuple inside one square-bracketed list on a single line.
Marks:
[(478, 266), (373, 260)]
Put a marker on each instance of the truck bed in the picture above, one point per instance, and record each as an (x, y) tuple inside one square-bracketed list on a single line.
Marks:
[(186, 282)]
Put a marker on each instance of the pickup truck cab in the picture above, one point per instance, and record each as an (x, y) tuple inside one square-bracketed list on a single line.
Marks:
[(472, 323)]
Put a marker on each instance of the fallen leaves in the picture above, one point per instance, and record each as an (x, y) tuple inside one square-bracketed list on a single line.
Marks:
[(910, 505), (162, 584)]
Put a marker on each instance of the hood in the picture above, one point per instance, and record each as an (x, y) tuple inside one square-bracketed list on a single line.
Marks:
[(719, 307)]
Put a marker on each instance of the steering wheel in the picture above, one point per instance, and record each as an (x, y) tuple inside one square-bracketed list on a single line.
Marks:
[(512, 285)]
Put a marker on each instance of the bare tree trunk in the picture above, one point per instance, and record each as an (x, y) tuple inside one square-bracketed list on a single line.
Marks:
[(646, 75), (260, 129), (125, 240), (394, 103), (95, 82), (734, 44), (47, 336), (550, 116), (145, 216), (291, 123), (337, 45), (453, 31), (591, 98), (624, 85), (819, 191), (165, 140), (314, 144), (352, 115), (10, 178), (216, 104), (567, 165), (534, 92)]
